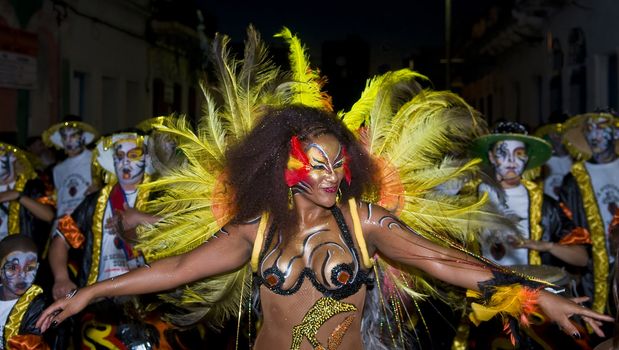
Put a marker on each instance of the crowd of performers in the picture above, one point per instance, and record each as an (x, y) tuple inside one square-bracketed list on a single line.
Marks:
[(275, 223)]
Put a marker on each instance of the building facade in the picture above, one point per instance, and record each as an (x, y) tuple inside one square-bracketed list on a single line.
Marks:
[(114, 63), (531, 59)]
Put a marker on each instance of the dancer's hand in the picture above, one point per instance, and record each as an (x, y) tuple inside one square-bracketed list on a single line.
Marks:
[(63, 308), (560, 309)]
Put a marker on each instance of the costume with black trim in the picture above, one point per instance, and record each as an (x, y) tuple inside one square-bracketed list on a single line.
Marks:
[(20, 332), (20, 219), (108, 323), (586, 205), (540, 218)]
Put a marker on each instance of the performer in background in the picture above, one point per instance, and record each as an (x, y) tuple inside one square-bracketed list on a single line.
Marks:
[(24, 207), (21, 301), (73, 176), (559, 164), (547, 236), (93, 233), (591, 192)]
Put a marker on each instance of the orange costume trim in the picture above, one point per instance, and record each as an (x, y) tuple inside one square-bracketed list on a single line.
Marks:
[(46, 200), (614, 224), (566, 211), (70, 231), (578, 235), (27, 342)]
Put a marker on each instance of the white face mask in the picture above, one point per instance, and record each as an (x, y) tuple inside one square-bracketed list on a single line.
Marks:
[(129, 162), (509, 158), (19, 269), (599, 135), (72, 139), (7, 166)]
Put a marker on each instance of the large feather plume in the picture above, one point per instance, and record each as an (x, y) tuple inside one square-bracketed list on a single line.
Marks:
[(193, 200), (307, 83), (419, 139)]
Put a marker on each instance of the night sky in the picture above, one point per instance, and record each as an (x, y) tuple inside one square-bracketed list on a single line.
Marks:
[(411, 23), (393, 30)]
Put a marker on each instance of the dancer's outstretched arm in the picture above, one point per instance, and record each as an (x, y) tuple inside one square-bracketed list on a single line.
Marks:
[(228, 251), (390, 237)]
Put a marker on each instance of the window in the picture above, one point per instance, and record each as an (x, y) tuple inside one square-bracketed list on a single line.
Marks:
[(578, 46), (159, 105), (613, 82), (578, 90), (556, 94), (79, 91), (132, 103), (109, 104)]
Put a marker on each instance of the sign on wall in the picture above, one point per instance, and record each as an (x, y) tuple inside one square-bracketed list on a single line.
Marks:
[(17, 71)]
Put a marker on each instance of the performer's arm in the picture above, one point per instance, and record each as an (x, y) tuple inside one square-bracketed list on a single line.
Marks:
[(228, 251), (562, 238), (391, 238), (572, 254), (58, 260), (40, 211)]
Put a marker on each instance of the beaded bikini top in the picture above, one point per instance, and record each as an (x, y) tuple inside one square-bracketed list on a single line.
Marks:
[(333, 265)]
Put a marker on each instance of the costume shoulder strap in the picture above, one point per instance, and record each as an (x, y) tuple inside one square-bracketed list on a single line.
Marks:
[(255, 254), (14, 320), (367, 262)]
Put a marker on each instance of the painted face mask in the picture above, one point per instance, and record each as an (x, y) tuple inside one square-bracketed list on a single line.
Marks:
[(300, 164), (509, 159), (129, 162), (18, 272), (7, 166), (72, 139), (599, 135), (325, 166)]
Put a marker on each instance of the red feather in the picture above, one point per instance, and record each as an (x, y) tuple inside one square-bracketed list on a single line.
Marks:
[(294, 174), (347, 174)]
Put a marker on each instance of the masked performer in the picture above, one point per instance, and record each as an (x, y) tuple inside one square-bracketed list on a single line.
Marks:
[(92, 232), (73, 176), (24, 207), (591, 192), (286, 185), (547, 235), (21, 301), (559, 164), (163, 151)]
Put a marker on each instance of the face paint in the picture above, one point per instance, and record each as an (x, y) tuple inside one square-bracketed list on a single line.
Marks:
[(18, 272), (129, 162), (599, 135), (72, 140), (327, 159), (7, 166), (509, 158)]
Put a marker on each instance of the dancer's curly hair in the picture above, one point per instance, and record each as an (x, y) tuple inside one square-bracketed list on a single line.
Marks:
[(255, 166)]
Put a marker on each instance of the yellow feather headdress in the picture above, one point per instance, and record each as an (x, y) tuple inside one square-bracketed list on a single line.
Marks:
[(194, 201)]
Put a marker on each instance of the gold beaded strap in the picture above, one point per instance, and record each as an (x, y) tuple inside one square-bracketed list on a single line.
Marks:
[(365, 256), (255, 254)]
